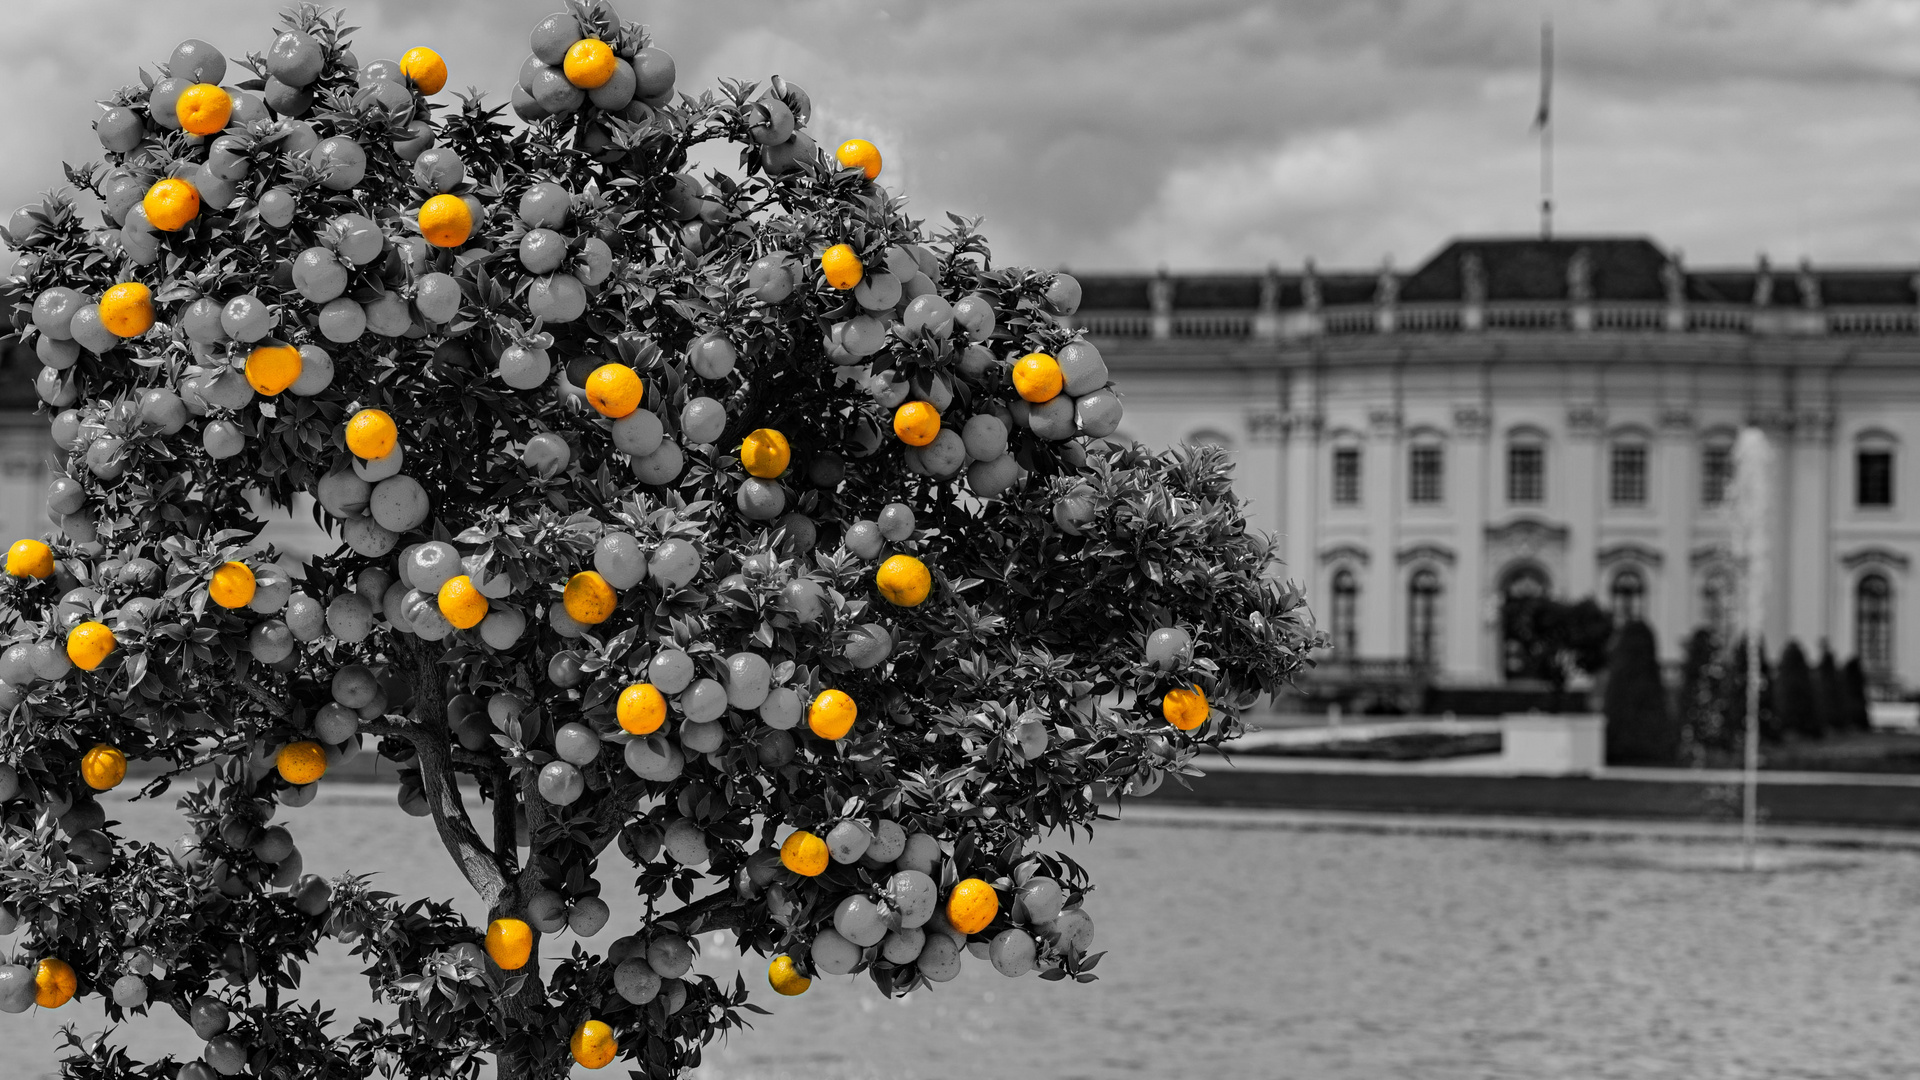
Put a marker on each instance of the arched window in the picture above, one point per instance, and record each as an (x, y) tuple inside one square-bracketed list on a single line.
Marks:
[(1628, 596), (1873, 623), (1520, 584), (1343, 621), (1423, 618)]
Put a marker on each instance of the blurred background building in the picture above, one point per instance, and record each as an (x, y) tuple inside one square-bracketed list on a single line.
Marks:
[(1526, 417), (1512, 418)]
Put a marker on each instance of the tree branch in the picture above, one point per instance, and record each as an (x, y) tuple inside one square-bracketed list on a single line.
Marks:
[(428, 733)]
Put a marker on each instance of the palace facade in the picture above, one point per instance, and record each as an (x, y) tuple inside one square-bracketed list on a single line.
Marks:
[(1525, 416), (1513, 416)]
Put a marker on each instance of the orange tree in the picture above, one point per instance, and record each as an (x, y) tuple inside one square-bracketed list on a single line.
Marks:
[(734, 528)]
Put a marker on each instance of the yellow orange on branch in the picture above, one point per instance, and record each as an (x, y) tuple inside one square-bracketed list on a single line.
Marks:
[(832, 714), (30, 559), (171, 204), (764, 453), (593, 1044), (614, 390), (589, 600), (301, 763), (904, 580), (203, 109), (641, 709), (917, 423), (425, 67), (859, 154), (446, 221), (89, 645), (842, 267), (232, 585), (371, 434), (127, 309), (273, 368), (509, 943), (103, 767)]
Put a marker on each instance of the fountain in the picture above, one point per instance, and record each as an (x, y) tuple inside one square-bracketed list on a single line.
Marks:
[(1750, 510)]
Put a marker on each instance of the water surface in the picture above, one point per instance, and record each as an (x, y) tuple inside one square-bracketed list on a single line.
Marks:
[(1270, 952)]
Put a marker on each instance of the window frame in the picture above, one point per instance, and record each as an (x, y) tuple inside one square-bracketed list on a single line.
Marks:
[(1530, 445), (1637, 450), (1875, 649), (1343, 612), (1423, 637), (1343, 454), (1716, 472), (1417, 495), (1885, 455)]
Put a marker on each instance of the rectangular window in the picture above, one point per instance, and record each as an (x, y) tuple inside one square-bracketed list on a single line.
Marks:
[(1874, 475), (1716, 472), (1526, 474), (1346, 477), (1423, 475), (1627, 482)]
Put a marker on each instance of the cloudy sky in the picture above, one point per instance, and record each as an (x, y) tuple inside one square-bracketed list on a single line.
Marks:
[(1215, 133)]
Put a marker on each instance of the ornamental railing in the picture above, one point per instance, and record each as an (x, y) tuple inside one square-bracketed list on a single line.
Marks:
[(1633, 317)]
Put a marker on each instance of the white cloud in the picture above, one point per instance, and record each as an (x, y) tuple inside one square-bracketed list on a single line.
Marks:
[(1214, 132)]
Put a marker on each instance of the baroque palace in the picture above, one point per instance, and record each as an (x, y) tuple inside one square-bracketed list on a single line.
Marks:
[(1514, 416), (1553, 417)]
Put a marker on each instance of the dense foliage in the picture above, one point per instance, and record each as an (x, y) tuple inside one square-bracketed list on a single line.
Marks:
[(1640, 729), (735, 528)]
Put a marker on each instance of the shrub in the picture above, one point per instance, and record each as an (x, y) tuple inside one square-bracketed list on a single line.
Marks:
[(1794, 701), (1640, 731)]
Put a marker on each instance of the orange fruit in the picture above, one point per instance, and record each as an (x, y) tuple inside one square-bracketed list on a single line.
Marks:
[(972, 905), (425, 68), (30, 558), (171, 204), (842, 267), (859, 154), (614, 390), (1184, 709), (273, 368), (785, 980), (1037, 377), (904, 580), (103, 767), (54, 983), (371, 434), (832, 714), (917, 423), (301, 763), (641, 709), (203, 109), (805, 854), (589, 599), (462, 602), (127, 309), (232, 585), (590, 63), (592, 1044), (765, 453), (446, 221), (509, 943), (88, 645)]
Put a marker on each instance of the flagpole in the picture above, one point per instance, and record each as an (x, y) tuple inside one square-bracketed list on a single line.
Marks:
[(1544, 120)]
